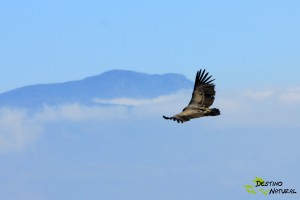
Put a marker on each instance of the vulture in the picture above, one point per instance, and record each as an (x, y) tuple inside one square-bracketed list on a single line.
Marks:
[(202, 98)]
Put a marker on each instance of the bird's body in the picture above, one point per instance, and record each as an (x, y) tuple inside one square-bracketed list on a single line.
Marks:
[(202, 98)]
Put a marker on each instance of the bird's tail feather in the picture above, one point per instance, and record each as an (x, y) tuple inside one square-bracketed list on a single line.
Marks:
[(213, 112)]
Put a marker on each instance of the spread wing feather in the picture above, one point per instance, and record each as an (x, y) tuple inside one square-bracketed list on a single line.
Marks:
[(204, 91)]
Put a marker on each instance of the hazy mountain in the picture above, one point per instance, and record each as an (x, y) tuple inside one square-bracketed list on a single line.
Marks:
[(110, 84)]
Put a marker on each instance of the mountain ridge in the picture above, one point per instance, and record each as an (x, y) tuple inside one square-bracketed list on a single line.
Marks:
[(109, 84)]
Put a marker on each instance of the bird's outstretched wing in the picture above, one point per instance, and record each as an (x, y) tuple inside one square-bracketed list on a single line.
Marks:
[(202, 98), (204, 91), (180, 117)]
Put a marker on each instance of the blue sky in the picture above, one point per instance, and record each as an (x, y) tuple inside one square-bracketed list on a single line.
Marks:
[(54, 41), (80, 152)]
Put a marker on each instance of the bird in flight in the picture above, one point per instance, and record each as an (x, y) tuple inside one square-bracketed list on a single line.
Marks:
[(202, 98)]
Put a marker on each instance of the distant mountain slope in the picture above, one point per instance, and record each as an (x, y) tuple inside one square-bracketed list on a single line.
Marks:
[(110, 84)]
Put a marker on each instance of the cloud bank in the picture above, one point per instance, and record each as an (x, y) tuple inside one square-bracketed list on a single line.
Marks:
[(17, 130), (20, 129)]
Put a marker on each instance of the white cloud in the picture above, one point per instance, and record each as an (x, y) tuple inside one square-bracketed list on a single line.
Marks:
[(17, 130), (128, 101), (259, 95), (163, 105), (290, 96), (77, 112), (142, 101), (267, 108)]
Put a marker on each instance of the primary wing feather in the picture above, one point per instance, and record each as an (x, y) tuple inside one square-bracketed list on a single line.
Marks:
[(204, 91)]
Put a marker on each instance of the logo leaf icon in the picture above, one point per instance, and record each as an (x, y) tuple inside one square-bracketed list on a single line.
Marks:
[(258, 182), (266, 192)]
